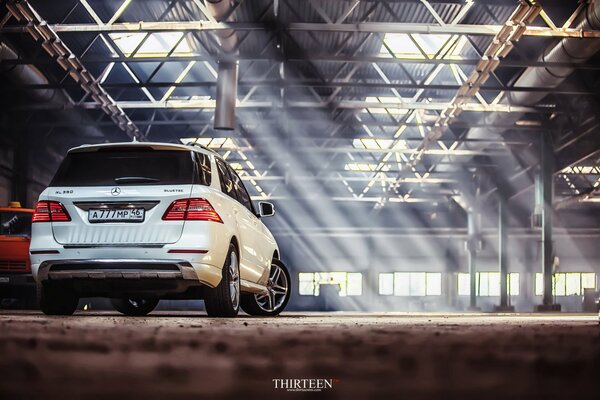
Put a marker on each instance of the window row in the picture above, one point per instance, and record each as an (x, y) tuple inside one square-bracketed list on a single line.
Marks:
[(419, 284)]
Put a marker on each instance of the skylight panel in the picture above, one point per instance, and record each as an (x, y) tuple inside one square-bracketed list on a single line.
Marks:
[(421, 46), (385, 100), (372, 144), (158, 44), (402, 46), (364, 167)]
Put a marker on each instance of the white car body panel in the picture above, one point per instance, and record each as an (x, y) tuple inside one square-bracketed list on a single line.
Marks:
[(152, 239)]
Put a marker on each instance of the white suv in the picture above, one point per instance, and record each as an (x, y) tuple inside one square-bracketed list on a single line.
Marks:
[(140, 222)]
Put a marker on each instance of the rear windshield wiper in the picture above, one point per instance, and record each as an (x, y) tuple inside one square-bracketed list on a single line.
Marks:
[(135, 179)]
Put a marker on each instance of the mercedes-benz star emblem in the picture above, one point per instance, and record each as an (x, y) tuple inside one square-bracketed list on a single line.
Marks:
[(115, 191)]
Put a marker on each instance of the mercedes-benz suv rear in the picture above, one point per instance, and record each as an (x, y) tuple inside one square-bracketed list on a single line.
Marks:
[(138, 222)]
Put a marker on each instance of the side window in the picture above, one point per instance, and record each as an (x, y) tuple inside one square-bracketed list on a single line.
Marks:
[(240, 190), (226, 182), (203, 169)]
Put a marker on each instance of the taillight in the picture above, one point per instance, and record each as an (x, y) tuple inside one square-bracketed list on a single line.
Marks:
[(191, 210), (50, 211)]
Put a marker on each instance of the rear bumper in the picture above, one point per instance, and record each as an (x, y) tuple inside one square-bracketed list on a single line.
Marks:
[(61, 269), (115, 269)]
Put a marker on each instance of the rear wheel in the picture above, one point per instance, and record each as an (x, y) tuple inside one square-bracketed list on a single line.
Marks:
[(57, 300), (224, 300), (277, 296), (134, 307)]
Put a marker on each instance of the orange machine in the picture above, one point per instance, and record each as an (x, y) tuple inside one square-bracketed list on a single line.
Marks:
[(15, 234)]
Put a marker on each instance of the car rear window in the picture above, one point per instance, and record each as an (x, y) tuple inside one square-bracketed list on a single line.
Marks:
[(127, 167), (15, 223)]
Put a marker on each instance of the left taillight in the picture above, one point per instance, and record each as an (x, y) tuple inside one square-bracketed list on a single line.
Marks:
[(50, 211), (191, 210)]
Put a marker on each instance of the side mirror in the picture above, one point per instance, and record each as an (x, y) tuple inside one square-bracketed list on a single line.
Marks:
[(266, 209)]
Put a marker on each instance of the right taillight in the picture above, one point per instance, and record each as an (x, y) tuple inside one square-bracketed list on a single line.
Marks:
[(50, 211), (191, 210)]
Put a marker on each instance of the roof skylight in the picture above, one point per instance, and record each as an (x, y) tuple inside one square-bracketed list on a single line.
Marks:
[(364, 167), (422, 46), (158, 44), (378, 144), (391, 100)]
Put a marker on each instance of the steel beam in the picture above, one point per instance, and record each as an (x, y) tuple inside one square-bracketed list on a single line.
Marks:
[(306, 56), (315, 84), (348, 104), (364, 27)]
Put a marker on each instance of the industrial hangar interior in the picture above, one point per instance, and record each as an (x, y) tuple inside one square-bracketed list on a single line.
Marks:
[(423, 156)]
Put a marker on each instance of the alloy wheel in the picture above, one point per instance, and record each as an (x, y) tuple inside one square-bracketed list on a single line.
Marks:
[(234, 280), (277, 289)]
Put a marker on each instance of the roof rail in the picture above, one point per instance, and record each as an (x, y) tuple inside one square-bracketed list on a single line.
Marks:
[(202, 147)]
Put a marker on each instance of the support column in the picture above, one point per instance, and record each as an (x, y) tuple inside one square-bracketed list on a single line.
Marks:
[(546, 182), (503, 258), (472, 245)]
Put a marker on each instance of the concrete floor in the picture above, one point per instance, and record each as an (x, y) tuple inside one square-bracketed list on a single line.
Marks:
[(400, 356)]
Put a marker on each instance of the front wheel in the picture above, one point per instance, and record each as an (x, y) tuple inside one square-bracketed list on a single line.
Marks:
[(277, 296), (134, 307)]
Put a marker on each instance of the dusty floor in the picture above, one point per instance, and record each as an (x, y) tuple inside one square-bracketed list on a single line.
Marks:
[(404, 356)]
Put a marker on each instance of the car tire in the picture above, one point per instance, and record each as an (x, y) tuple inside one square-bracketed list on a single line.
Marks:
[(279, 291), (223, 301), (57, 300), (134, 307)]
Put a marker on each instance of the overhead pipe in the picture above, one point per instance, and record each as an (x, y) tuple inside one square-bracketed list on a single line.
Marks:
[(227, 79), (567, 50), (570, 50), (30, 75)]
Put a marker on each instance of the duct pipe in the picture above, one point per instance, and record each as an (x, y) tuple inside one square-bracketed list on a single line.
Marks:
[(228, 71), (572, 50), (226, 96), (30, 75)]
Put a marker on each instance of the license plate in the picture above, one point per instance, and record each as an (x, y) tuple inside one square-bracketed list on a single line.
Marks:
[(116, 215), (4, 279)]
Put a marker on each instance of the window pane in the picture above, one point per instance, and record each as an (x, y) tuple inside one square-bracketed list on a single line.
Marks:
[(307, 286), (354, 284), (203, 165), (336, 279), (482, 284), (417, 284), (386, 284), (464, 288), (225, 179), (102, 167), (240, 191), (434, 284), (401, 284), (573, 284), (493, 283), (513, 283), (539, 284), (559, 284), (588, 280)]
